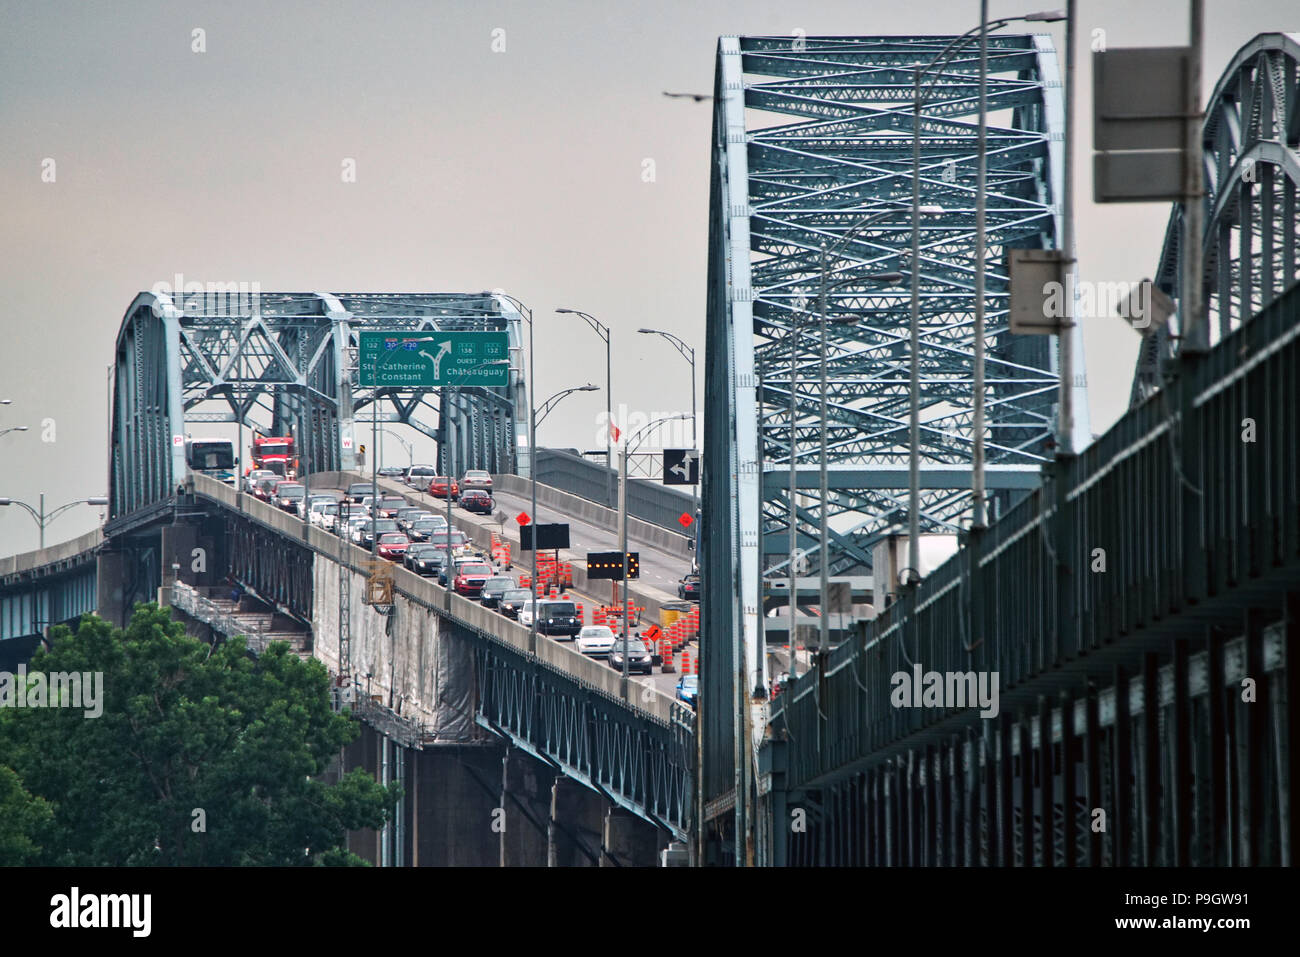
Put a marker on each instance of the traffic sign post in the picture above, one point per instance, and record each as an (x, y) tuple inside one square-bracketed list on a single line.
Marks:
[(429, 359)]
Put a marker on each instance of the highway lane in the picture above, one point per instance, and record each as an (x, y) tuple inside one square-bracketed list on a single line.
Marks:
[(583, 538)]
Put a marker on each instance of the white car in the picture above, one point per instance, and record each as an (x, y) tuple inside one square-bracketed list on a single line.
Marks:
[(595, 640), (320, 511), (526, 613)]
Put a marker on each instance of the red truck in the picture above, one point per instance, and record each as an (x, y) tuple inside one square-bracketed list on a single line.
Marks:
[(274, 452)]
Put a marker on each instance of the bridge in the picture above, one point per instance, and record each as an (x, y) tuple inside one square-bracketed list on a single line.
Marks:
[(1124, 592), (1120, 597)]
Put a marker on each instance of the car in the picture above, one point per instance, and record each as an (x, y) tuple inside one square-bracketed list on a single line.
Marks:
[(288, 495), (458, 540), (456, 562), (525, 613), (595, 640), (470, 578), (255, 476), (510, 602), (305, 505), (438, 487), (408, 514), (321, 512), (476, 478), (638, 655), (392, 545), (688, 688), (391, 471), (418, 476), (358, 490), (264, 488), (424, 559), (379, 527), (689, 588), (425, 526), (390, 505), (494, 588), (558, 617), (477, 500)]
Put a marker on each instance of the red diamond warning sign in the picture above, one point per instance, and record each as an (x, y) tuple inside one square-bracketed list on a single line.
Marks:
[(523, 518), (685, 519)]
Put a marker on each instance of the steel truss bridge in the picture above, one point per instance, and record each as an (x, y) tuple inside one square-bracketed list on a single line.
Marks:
[(812, 155), (1139, 607), (286, 363)]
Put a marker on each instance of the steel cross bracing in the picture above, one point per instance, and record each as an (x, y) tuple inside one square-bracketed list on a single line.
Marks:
[(1251, 139), (285, 363), (812, 136)]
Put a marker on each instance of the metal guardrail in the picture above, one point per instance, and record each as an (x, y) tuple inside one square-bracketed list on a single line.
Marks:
[(1182, 512)]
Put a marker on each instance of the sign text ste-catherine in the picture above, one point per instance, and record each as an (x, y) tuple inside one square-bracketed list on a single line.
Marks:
[(428, 359)]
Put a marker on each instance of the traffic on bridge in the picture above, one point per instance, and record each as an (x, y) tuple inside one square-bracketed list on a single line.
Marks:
[(827, 464)]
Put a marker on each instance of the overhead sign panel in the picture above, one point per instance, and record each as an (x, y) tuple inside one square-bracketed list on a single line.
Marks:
[(429, 359), (681, 467)]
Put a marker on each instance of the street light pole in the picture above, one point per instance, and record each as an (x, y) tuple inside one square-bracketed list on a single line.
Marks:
[(536, 416), (602, 330), (628, 447), (43, 518), (688, 353)]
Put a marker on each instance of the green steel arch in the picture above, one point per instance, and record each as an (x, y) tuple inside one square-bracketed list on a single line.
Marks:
[(810, 137)]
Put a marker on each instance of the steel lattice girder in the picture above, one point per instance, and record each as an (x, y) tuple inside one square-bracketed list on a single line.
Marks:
[(1251, 138), (782, 190), (286, 363)]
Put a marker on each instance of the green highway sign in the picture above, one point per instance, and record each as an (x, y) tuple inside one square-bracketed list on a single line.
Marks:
[(427, 359)]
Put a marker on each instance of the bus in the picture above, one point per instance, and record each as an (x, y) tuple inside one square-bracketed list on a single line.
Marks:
[(214, 457)]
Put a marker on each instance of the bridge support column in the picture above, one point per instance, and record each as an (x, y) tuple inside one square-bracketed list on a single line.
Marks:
[(178, 544), (628, 841), (576, 826), (526, 785), (111, 575), (458, 804)]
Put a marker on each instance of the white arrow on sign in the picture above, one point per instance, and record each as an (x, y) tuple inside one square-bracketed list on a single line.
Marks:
[(683, 468), (444, 347)]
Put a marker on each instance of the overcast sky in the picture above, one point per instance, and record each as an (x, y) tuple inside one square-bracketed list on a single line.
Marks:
[(519, 169)]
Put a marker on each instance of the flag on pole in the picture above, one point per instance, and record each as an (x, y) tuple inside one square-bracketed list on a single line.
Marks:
[(614, 432)]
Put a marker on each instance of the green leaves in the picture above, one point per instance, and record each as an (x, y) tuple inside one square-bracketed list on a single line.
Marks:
[(202, 756)]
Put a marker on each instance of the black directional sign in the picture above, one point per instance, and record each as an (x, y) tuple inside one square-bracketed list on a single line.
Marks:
[(610, 565), (681, 467)]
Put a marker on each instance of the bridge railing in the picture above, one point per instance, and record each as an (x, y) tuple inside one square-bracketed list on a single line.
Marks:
[(1188, 498)]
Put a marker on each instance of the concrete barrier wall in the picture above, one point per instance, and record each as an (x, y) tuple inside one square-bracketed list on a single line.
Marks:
[(664, 539), (51, 554)]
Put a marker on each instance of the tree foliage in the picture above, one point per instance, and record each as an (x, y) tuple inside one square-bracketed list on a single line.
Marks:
[(203, 756)]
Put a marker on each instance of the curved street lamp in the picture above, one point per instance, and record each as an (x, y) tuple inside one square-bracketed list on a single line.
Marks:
[(43, 517), (537, 416), (602, 330), (630, 445)]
